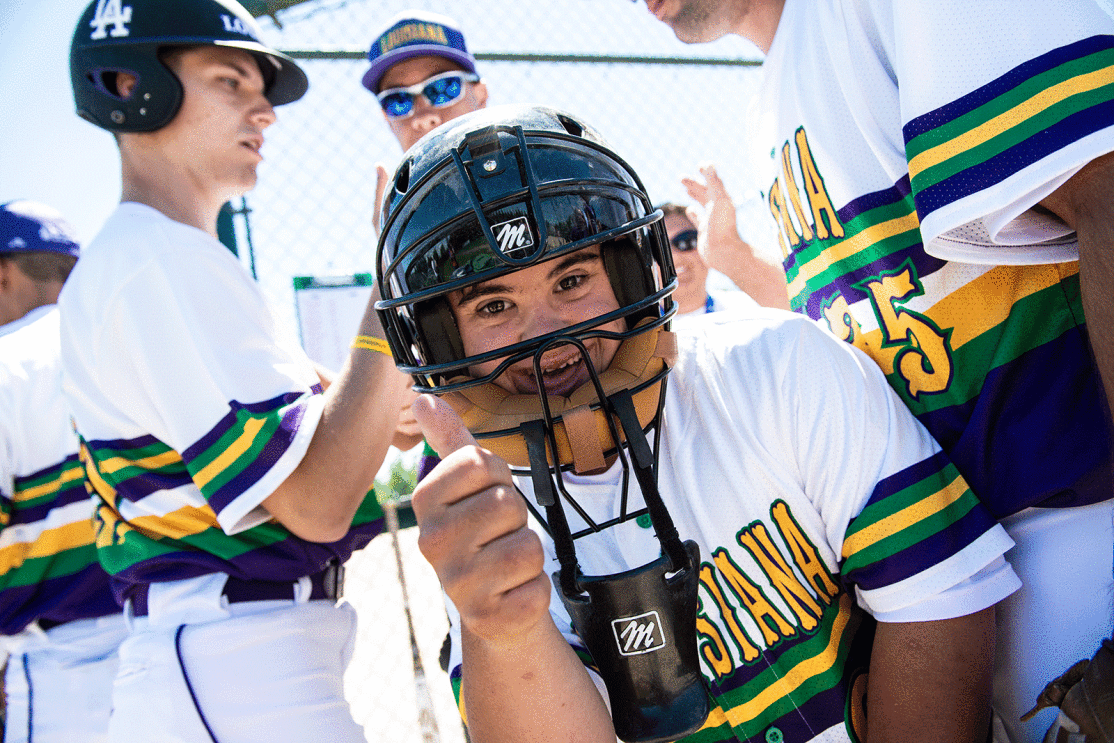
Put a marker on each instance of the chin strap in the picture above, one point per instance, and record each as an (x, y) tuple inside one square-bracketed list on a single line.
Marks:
[(583, 436), (639, 625)]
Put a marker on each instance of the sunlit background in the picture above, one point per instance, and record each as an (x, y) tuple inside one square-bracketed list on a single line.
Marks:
[(663, 106)]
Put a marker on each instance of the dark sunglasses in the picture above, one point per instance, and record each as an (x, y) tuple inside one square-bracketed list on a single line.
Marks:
[(440, 90), (685, 241)]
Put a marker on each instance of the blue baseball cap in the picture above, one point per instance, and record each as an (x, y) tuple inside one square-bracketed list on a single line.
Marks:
[(416, 33), (28, 226)]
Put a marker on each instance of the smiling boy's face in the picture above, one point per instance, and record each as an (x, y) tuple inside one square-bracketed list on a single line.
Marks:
[(535, 301)]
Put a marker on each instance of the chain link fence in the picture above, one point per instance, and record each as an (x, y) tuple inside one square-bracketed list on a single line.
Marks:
[(663, 106)]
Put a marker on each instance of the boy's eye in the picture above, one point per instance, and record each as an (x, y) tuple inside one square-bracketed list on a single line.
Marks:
[(572, 281), (491, 308)]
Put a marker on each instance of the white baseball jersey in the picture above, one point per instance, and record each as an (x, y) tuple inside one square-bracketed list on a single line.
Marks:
[(57, 681), (191, 407), (718, 301), (49, 569), (813, 494), (901, 146)]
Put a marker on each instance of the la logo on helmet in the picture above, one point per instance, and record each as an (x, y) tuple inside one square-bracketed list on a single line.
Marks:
[(109, 13), (237, 26)]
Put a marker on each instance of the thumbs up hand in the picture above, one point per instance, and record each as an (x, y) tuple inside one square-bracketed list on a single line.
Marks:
[(473, 532)]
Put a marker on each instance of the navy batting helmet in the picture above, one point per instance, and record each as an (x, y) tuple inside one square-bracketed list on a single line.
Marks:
[(115, 36)]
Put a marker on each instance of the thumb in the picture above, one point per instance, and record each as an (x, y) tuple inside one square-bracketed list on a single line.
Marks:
[(441, 426), (380, 189)]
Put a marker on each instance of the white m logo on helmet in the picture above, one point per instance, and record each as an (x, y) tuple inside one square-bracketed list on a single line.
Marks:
[(640, 634), (513, 235)]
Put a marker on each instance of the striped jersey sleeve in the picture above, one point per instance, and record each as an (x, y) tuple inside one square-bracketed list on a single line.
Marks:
[(1012, 122), (48, 561), (192, 407), (911, 520)]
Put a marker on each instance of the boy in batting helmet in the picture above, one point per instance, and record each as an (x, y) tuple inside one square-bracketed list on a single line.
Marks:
[(231, 485)]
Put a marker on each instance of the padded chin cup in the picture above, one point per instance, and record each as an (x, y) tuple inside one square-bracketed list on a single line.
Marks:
[(490, 409)]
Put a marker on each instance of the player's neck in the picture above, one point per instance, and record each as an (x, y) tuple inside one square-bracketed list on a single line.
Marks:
[(759, 21), (172, 192)]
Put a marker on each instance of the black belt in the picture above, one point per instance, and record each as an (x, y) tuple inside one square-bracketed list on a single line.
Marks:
[(328, 584)]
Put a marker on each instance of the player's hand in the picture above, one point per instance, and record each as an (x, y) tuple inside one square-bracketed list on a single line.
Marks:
[(381, 178), (473, 532), (718, 235), (408, 433)]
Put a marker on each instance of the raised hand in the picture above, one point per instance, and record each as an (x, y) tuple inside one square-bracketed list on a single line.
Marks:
[(473, 532), (718, 240), (723, 249)]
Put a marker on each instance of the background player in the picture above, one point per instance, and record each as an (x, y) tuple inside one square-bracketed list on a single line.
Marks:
[(231, 486), (693, 296), (821, 486), (932, 204), (423, 75), (721, 246), (59, 621)]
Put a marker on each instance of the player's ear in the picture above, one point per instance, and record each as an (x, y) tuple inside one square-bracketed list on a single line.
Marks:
[(125, 84), (479, 90)]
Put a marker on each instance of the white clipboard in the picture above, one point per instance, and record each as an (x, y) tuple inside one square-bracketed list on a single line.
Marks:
[(329, 310)]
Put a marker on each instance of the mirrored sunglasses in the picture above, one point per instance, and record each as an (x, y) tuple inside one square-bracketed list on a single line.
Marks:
[(440, 90), (685, 241)]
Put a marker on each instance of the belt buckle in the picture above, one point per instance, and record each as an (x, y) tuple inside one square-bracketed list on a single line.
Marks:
[(332, 580)]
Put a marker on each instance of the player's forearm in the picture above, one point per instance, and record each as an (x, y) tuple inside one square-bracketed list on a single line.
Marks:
[(1084, 204), (536, 691), (930, 681), (763, 280), (320, 498)]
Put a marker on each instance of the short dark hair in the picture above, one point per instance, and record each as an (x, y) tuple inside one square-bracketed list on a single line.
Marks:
[(42, 266)]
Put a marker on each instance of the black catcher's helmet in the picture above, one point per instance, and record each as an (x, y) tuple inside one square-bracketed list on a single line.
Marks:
[(496, 191), (115, 36)]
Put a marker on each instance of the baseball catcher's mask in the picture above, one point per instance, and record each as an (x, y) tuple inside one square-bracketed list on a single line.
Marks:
[(494, 192), (115, 36)]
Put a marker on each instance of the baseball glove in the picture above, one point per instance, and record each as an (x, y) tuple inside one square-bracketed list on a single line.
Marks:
[(1085, 697)]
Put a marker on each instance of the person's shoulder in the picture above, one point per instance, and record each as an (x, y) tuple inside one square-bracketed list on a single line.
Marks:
[(757, 338), (136, 231), (748, 325), (138, 242), (27, 345)]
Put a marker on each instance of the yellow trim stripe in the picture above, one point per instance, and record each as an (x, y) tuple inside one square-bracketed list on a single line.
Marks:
[(1005, 121), (52, 486), (716, 718), (99, 484), (49, 542), (977, 307), (153, 462), (860, 241), (236, 449), (798, 674), (906, 517), (183, 522)]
